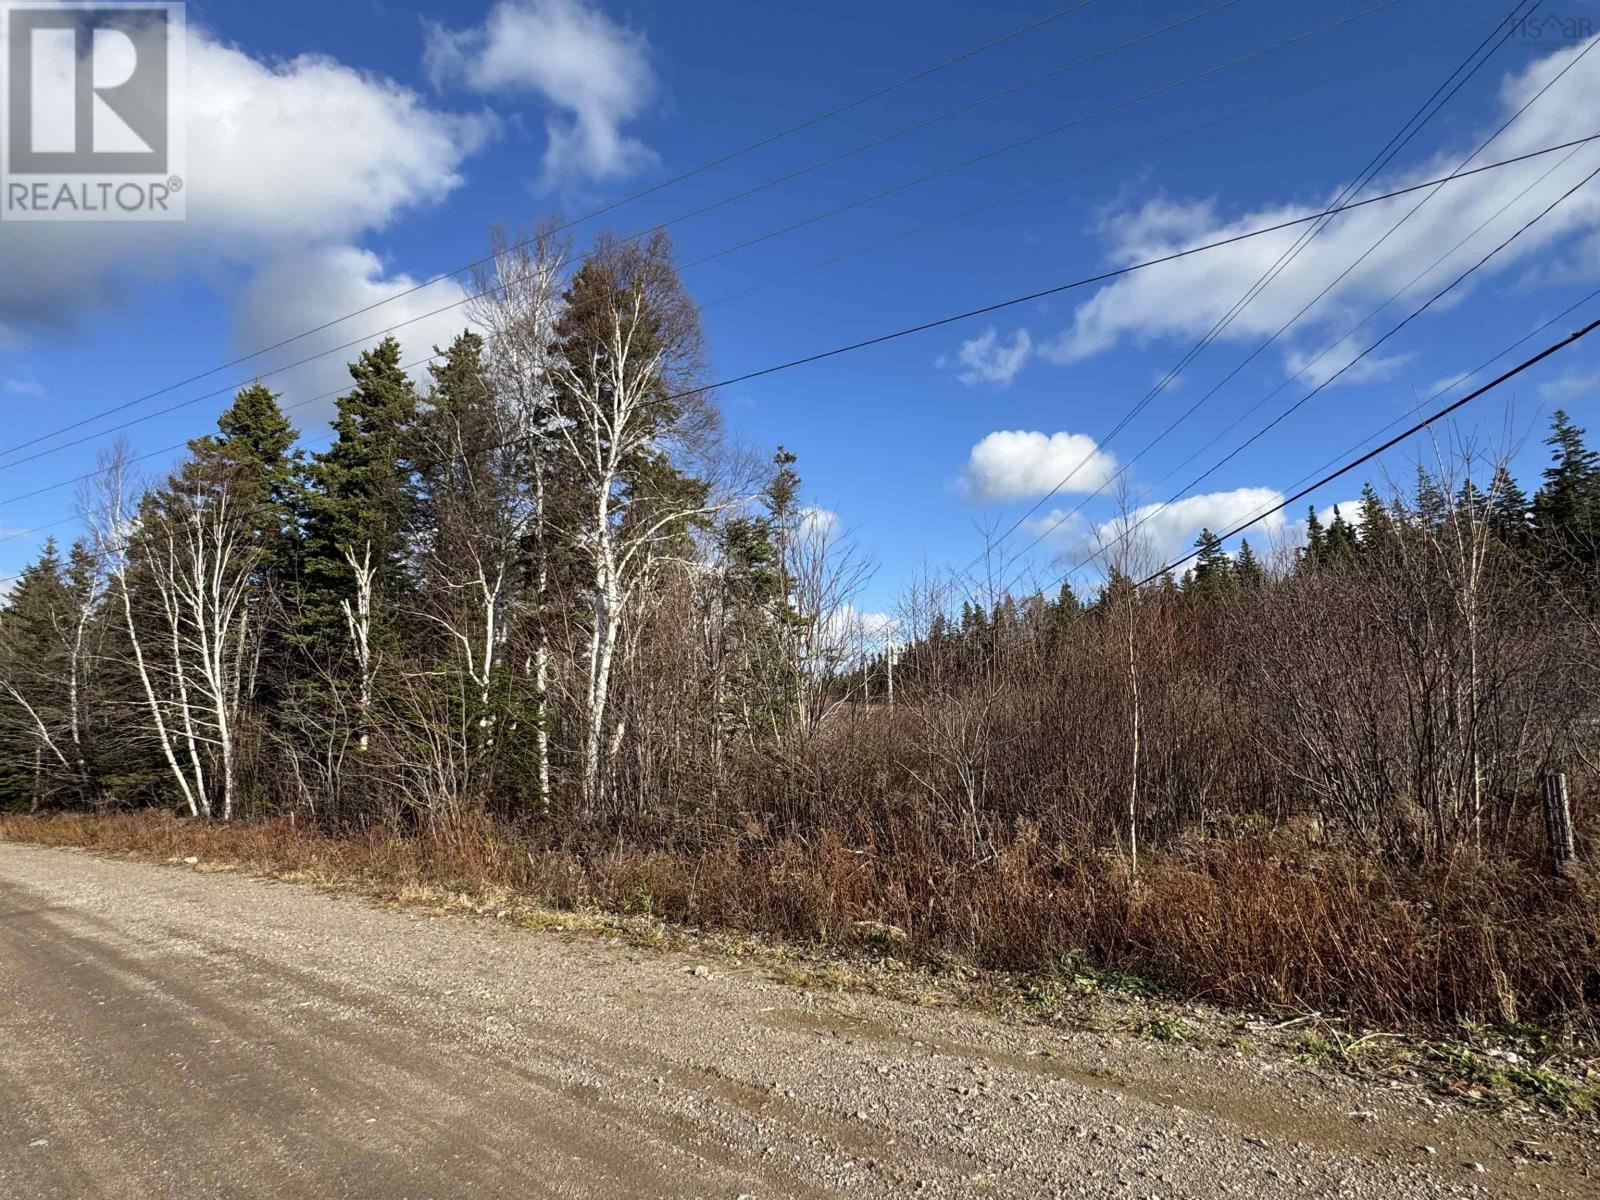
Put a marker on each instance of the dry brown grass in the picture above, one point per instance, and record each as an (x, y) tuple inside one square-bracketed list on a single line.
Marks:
[(1232, 922)]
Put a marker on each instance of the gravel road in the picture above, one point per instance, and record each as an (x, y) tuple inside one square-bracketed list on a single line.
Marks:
[(168, 1032)]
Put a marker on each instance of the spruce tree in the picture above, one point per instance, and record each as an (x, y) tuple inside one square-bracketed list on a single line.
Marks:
[(1376, 538), (1566, 510), (251, 454), (360, 498), (1067, 602), (1431, 504), (1212, 577), (1339, 543), (251, 459), (1315, 553), (34, 670), (1247, 568), (1508, 510)]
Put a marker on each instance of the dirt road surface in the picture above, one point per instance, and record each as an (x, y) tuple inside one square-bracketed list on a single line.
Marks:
[(170, 1033)]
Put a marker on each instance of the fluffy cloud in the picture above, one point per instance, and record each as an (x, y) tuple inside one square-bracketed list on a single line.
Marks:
[(1013, 463), (986, 359), (282, 157), (1185, 298), (594, 72), (312, 148), (820, 523), (304, 290), (1148, 536)]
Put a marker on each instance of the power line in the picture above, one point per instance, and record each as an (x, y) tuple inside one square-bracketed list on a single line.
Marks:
[(1085, 281), (1264, 513), (1118, 272), (696, 212), (1402, 137), (1036, 137), (760, 143), (1404, 52), (1251, 357), (1553, 348), (364, 339), (1352, 330), (1180, 135), (1323, 353), (1448, 387), (1343, 470), (1415, 313)]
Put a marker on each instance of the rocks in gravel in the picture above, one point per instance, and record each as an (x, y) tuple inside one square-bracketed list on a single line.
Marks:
[(700, 971)]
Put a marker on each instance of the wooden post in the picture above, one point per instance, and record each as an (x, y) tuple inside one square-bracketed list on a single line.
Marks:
[(1558, 825)]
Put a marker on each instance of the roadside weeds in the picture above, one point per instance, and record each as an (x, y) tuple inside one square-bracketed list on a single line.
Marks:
[(1520, 1073)]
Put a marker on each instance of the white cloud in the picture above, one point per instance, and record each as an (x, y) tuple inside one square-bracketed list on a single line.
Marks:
[(285, 159), (849, 634), (312, 148), (1293, 533), (986, 359), (1183, 299), (304, 290), (1316, 369), (595, 73), (23, 387), (1059, 528), (1571, 385), (1350, 510), (818, 522), (1012, 463), (1154, 534)]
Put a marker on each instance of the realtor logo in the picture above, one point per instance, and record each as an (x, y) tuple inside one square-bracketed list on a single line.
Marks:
[(92, 125)]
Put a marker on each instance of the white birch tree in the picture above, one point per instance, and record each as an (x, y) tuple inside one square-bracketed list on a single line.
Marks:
[(626, 414)]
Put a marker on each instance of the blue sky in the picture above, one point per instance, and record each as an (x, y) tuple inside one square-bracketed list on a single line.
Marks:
[(339, 154)]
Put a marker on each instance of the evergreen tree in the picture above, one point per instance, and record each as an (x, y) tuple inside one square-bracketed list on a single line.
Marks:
[(1315, 553), (1067, 602), (759, 620), (1471, 503), (251, 454), (1339, 545), (34, 669), (360, 498), (1566, 510), (1508, 510), (1118, 593), (974, 622), (251, 459), (458, 449), (1212, 577), (1432, 505), (1376, 538), (1247, 568)]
